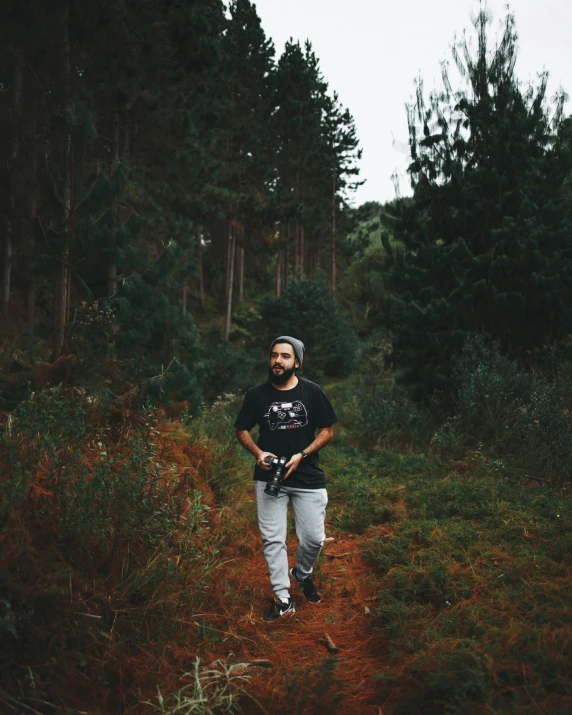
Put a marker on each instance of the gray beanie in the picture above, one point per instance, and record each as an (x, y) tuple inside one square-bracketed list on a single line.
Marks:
[(298, 346)]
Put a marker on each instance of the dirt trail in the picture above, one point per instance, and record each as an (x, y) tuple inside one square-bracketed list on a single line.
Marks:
[(305, 677)]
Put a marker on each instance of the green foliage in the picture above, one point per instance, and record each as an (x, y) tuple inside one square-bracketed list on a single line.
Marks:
[(215, 428), (486, 237), (142, 313), (492, 389), (209, 691), (359, 497), (518, 414), (390, 417), (318, 679), (102, 518), (362, 482), (376, 406), (468, 548), (42, 426), (100, 489), (309, 312), (232, 370)]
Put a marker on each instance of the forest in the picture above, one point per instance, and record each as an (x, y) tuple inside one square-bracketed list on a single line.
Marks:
[(175, 193)]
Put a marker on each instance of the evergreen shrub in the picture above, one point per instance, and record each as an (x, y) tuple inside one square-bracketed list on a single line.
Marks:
[(308, 311), (374, 405), (520, 414), (390, 417), (492, 389), (230, 369)]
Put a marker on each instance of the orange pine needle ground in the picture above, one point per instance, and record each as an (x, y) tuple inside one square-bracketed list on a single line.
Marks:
[(305, 677)]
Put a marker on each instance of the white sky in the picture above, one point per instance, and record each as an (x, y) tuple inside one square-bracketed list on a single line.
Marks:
[(371, 51)]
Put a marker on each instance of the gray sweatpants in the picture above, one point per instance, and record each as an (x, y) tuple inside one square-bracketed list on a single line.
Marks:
[(309, 507)]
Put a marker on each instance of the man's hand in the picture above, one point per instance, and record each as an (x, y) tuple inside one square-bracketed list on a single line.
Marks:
[(294, 463), (247, 442), (261, 463)]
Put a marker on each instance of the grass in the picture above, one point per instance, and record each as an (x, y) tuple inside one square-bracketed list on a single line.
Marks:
[(474, 583), (472, 573), (107, 553), (123, 576), (205, 691)]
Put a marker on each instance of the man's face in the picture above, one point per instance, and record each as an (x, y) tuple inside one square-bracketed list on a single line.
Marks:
[(283, 364)]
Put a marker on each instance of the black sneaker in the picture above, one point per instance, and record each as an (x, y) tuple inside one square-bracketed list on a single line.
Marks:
[(307, 586), (279, 609)]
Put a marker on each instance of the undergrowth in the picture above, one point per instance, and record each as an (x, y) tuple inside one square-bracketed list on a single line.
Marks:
[(474, 584), (472, 565), (108, 553), (115, 545)]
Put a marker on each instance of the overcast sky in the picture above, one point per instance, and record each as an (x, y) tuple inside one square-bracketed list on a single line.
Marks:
[(371, 51)]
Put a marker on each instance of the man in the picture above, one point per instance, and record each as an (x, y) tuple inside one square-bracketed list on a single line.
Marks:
[(288, 410)]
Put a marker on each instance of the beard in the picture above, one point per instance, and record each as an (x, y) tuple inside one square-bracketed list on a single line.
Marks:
[(281, 377)]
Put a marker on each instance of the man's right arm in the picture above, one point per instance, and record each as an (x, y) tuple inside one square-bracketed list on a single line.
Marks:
[(243, 436)]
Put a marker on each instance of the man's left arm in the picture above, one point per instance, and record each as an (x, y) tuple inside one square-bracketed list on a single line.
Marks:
[(324, 436)]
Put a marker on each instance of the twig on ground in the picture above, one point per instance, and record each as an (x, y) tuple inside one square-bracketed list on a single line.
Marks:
[(328, 643)]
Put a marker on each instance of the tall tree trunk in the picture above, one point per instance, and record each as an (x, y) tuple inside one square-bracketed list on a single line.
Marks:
[(278, 273), (227, 259), (115, 134), (71, 200), (231, 251), (227, 233), (286, 266), (333, 278), (126, 139), (296, 248), (62, 280), (185, 291), (32, 215), (112, 266), (301, 192), (241, 269), (14, 158), (200, 260)]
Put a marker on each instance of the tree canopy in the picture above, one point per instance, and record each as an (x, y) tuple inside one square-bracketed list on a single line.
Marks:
[(486, 244)]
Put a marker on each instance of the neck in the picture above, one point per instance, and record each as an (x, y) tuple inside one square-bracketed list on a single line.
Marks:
[(289, 385)]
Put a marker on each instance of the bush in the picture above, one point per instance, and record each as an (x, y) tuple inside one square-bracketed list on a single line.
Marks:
[(376, 407), (390, 418), (233, 369), (522, 415), (100, 531), (308, 311), (491, 391)]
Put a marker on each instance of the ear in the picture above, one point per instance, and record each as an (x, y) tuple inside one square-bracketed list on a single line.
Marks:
[(296, 365)]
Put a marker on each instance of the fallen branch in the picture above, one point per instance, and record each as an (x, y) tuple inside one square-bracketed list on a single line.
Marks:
[(328, 643), (243, 667)]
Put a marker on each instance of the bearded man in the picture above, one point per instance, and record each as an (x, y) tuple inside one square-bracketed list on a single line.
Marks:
[(289, 410)]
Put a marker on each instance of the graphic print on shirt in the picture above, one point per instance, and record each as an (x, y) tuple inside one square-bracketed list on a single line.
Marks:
[(286, 415)]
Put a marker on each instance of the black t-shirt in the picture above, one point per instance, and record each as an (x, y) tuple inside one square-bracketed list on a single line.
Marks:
[(288, 420)]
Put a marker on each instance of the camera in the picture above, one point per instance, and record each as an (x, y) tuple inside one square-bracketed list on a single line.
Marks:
[(276, 475)]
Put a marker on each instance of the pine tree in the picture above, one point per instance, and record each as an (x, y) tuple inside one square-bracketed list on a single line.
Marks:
[(487, 239), (247, 66)]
